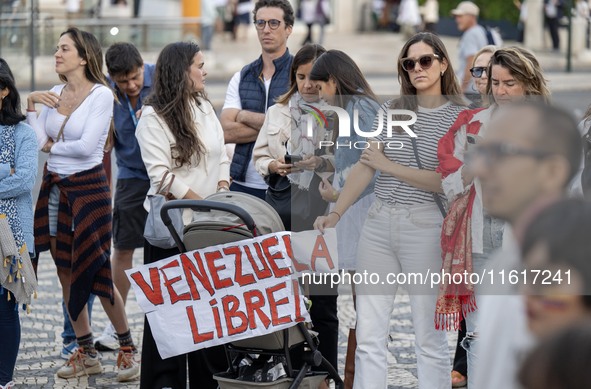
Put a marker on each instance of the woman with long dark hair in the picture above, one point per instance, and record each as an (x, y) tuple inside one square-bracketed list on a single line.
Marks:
[(18, 169), (285, 132), (72, 128), (402, 230), (181, 138), (341, 84)]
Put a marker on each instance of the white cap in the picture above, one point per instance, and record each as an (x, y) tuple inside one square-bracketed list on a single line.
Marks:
[(466, 8)]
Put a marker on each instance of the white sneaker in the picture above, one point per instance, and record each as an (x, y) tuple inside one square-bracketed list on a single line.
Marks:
[(128, 365), (9, 385), (80, 364), (108, 341)]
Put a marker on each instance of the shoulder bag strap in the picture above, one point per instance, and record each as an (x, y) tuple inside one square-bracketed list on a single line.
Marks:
[(420, 166), (61, 132), (167, 188)]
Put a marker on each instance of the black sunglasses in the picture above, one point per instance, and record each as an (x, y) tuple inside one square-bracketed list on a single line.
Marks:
[(477, 71), (273, 24), (425, 61)]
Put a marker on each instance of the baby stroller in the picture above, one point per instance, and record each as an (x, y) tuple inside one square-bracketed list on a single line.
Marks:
[(229, 217)]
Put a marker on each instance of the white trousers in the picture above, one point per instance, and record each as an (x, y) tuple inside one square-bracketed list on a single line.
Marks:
[(397, 239)]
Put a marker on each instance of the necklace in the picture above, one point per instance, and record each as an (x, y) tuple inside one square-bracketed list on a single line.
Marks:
[(70, 99)]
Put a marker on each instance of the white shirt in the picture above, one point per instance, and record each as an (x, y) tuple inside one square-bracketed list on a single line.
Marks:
[(157, 146), (252, 179), (504, 337), (84, 135)]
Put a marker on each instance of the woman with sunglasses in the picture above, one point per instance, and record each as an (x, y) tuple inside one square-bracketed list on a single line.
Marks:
[(403, 225), (514, 73), (478, 71)]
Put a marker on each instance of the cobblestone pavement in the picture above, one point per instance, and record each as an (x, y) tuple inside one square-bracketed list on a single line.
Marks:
[(39, 359)]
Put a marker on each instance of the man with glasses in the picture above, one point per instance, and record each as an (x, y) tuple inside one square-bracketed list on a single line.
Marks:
[(528, 157), (254, 89)]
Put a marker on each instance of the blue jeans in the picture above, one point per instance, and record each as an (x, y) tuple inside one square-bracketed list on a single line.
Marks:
[(10, 336), (69, 335)]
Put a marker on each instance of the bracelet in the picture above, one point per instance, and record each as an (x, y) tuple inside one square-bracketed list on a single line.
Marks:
[(31, 110), (336, 213)]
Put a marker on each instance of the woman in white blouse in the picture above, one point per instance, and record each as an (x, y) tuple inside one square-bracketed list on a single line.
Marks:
[(72, 128), (179, 133)]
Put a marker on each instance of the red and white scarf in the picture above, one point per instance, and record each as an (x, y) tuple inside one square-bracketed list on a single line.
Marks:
[(455, 300)]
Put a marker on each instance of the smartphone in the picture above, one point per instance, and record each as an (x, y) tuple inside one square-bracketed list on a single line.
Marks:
[(291, 159)]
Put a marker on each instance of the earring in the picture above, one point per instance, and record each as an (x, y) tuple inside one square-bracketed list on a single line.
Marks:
[(442, 74)]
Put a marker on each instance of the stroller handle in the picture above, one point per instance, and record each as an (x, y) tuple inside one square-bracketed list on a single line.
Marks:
[(206, 206)]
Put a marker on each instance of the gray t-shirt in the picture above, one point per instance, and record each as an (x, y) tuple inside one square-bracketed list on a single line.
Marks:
[(472, 40)]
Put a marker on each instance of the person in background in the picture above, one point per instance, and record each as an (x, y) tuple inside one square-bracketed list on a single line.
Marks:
[(529, 155), (402, 231), (179, 133), (208, 20), (522, 7), (409, 18), (18, 169), (430, 13), (132, 81), (242, 19), (474, 37), (552, 14), (479, 74), (254, 89), (220, 8), (315, 12), (73, 213)]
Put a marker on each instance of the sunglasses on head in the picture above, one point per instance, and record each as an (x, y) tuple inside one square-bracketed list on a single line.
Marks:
[(425, 62), (477, 71)]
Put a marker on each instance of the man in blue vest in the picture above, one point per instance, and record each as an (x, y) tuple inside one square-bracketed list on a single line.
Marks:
[(254, 89), (132, 81)]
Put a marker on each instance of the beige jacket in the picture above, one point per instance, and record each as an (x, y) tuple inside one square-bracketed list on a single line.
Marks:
[(272, 138), (157, 145)]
